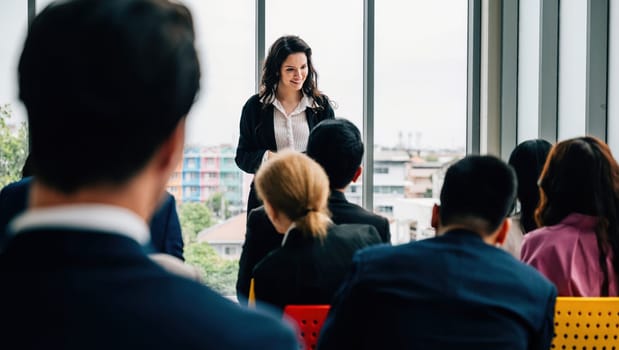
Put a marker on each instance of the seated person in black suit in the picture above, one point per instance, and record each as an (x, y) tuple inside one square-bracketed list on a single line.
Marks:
[(165, 228), (107, 86), (454, 291), (315, 253), (336, 145)]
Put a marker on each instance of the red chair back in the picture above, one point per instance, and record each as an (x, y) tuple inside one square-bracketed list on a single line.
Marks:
[(309, 320)]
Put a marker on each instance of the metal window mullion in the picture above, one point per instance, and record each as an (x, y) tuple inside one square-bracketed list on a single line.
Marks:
[(260, 40), (597, 68), (509, 77), (473, 77), (490, 85), (367, 189), (32, 11), (548, 69)]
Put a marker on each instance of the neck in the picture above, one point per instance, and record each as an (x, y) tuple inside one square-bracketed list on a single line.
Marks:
[(288, 95), (136, 196), (489, 239)]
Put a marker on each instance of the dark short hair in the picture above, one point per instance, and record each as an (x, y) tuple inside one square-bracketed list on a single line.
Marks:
[(478, 188), (105, 83), (336, 145)]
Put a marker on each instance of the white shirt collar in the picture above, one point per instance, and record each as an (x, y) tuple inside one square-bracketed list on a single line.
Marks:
[(95, 217), (306, 101), (293, 225)]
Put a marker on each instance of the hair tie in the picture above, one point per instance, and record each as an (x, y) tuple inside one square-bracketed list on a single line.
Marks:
[(307, 210)]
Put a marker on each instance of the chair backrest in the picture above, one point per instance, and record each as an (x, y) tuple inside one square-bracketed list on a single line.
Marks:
[(586, 323), (309, 320)]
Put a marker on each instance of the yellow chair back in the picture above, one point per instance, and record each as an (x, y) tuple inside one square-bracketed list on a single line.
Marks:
[(586, 323)]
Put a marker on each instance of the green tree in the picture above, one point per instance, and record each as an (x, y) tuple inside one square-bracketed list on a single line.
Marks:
[(219, 205), (194, 217), (217, 272), (13, 147)]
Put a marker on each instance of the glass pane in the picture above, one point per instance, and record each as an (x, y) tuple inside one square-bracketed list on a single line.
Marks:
[(207, 181), (528, 70), (13, 26), (572, 68), (420, 101), (337, 54), (41, 4)]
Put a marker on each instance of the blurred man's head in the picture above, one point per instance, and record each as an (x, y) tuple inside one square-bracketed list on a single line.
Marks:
[(107, 85), (336, 145), (477, 194)]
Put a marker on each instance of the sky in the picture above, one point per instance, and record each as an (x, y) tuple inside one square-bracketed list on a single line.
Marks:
[(420, 56)]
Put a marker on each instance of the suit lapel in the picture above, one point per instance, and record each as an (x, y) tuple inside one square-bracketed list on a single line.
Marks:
[(310, 114)]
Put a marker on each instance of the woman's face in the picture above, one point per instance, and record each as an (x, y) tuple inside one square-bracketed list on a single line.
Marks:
[(293, 72)]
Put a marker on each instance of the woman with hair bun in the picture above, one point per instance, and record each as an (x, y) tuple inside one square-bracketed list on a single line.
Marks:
[(315, 254)]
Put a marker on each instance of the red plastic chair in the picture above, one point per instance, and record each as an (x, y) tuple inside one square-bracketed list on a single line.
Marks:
[(309, 320)]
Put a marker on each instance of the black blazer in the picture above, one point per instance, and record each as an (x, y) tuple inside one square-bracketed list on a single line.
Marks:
[(261, 237), (450, 292), (165, 228), (306, 270), (257, 135), (98, 290)]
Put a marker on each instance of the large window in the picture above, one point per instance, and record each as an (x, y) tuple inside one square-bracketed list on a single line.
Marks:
[(337, 54), (420, 103), (13, 26)]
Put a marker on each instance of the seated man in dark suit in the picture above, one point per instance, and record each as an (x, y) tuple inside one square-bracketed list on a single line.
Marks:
[(165, 228), (454, 291), (107, 86), (337, 146)]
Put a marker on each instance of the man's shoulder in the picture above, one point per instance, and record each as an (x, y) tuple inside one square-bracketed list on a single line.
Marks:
[(259, 225), (347, 212), (253, 101), (18, 188), (363, 232)]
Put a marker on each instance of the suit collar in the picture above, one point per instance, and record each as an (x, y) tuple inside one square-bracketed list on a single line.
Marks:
[(84, 217), (462, 234), (337, 196)]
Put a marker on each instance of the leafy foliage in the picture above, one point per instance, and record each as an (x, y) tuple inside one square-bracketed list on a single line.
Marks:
[(218, 273), (194, 217), (13, 148), (219, 205)]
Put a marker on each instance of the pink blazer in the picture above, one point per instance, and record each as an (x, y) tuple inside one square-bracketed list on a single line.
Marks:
[(567, 254)]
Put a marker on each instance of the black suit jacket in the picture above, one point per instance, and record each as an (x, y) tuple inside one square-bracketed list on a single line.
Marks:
[(307, 270), (449, 292), (165, 228), (261, 237), (97, 290), (257, 135)]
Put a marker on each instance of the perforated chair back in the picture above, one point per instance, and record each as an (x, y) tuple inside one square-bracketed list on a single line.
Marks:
[(309, 319), (586, 324)]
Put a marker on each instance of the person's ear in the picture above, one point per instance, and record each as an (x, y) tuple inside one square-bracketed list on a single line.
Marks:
[(357, 174), (435, 216), (171, 151), (503, 230)]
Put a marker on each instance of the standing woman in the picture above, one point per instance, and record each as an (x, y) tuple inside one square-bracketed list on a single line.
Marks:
[(577, 244), (287, 107)]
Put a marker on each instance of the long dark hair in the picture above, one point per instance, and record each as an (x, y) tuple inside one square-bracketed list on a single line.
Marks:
[(528, 160), (581, 176), (279, 51)]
